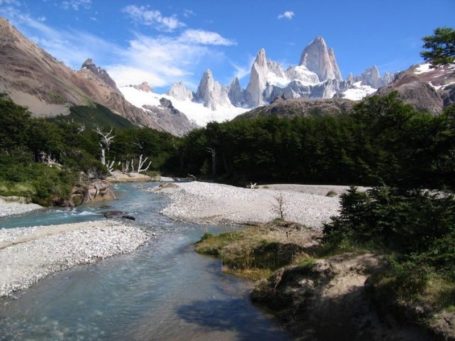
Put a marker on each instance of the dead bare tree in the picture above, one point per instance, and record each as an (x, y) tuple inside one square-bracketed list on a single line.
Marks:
[(280, 206), (105, 143), (141, 163), (212, 152), (49, 160)]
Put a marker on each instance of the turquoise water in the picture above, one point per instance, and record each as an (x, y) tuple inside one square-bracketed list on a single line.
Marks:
[(162, 291)]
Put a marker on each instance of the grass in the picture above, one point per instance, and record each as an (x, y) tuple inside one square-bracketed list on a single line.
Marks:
[(21, 189), (439, 293), (256, 252), (36, 182)]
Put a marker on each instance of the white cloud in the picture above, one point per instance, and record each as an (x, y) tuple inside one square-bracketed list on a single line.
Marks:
[(161, 60), (288, 15), (205, 38), (77, 4), (146, 16), (241, 71)]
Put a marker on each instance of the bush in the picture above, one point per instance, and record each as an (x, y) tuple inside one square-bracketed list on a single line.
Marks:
[(415, 229), (386, 218)]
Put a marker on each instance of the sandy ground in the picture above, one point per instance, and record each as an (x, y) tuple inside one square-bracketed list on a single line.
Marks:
[(118, 176), (312, 189), (211, 203), (10, 208), (28, 254)]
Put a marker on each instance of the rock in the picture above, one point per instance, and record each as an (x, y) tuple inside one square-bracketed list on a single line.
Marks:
[(33, 78), (173, 120), (327, 300), (99, 72), (181, 92), (144, 86), (264, 74), (236, 93), (118, 214), (317, 57), (443, 325), (92, 191), (300, 107), (211, 93), (425, 88)]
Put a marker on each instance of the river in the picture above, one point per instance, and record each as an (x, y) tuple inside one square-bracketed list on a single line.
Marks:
[(161, 291)]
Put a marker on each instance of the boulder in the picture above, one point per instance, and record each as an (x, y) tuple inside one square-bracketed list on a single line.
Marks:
[(118, 214)]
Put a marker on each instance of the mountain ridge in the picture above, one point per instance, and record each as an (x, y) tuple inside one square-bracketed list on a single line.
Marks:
[(32, 77)]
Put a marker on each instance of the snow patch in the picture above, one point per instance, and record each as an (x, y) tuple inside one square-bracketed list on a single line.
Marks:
[(358, 91), (195, 112), (423, 68)]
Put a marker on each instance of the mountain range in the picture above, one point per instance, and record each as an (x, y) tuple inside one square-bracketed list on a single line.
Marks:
[(33, 78), (317, 76)]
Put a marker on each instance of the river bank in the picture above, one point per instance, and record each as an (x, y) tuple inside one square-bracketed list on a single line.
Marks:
[(162, 290), (16, 205), (211, 203), (315, 294), (32, 253)]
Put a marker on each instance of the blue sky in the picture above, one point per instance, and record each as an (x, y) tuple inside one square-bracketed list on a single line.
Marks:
[(166, 41)]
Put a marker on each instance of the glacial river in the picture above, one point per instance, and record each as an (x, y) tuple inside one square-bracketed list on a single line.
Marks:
[(161, 291)]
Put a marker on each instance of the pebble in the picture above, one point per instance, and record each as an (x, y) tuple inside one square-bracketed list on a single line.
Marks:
[(32, 253), (212, 203)]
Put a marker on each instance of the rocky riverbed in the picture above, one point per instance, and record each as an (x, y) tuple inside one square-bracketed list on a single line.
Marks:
[(212, 203), (15, 205), (32, 253)]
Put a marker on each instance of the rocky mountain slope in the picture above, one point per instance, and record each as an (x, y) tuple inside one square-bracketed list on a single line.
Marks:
[(300, 107), (426, 88), (33, 78)]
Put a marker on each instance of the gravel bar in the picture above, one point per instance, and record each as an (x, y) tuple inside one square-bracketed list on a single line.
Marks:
[(212, 203), (28, 254), (11, 208)]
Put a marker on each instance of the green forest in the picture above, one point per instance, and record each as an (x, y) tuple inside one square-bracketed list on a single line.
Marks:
[(27, 144), (381, 142)]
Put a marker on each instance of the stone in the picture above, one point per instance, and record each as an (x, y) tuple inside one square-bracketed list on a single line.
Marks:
[(317, 57)]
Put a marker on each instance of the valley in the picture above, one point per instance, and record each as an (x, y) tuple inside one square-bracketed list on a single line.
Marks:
[(229, 171)]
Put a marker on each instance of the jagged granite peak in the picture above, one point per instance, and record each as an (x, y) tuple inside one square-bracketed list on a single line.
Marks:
[(261, 58), (144, 86), (236, 93), (180, 92), (99, 72), (388, 77), (211, 93), (206, 85), (258, 80), (372, 77), (317, 57)]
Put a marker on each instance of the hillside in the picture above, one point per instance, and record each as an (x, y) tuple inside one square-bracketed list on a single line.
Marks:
[(33, 78), (425, 88), (300, 107)]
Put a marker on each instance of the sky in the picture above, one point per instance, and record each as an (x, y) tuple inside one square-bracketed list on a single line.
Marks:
[(163, 42)]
